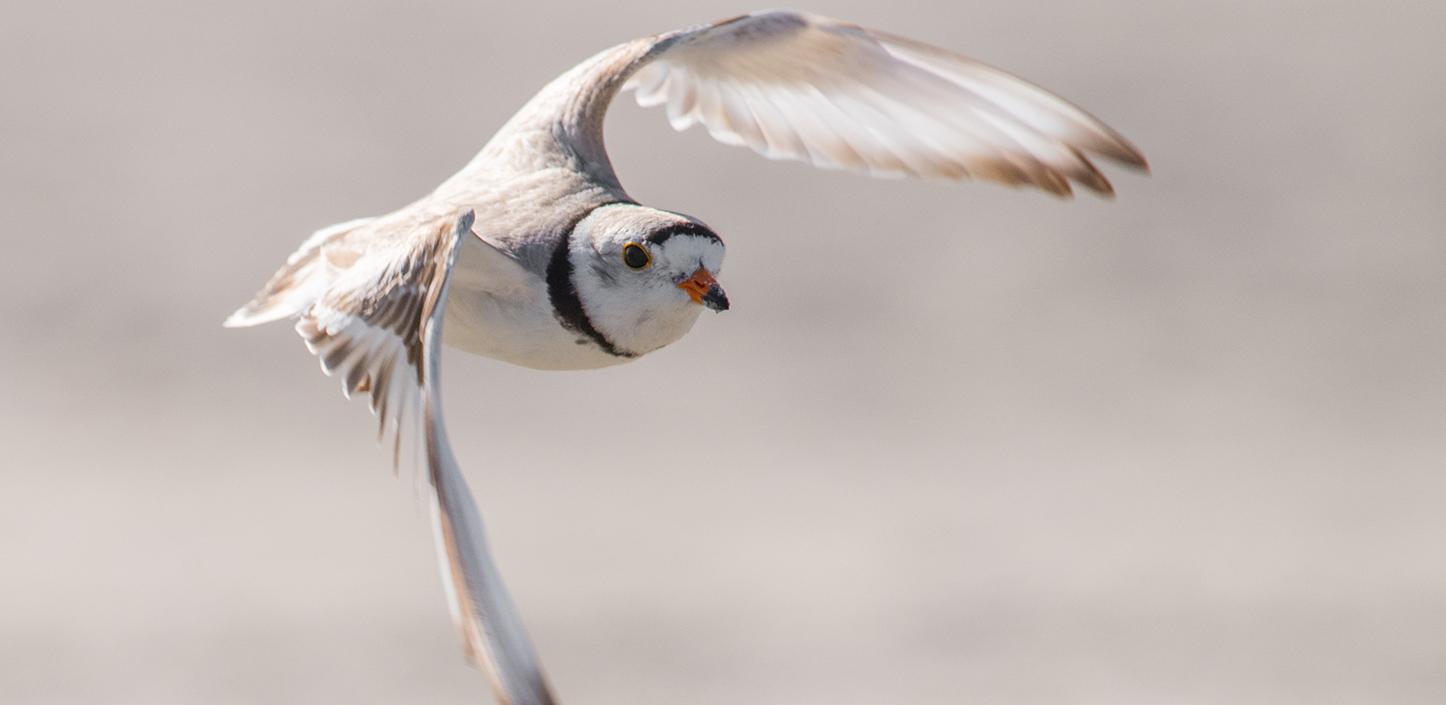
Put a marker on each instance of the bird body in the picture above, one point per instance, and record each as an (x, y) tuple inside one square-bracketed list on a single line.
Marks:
[(534, 254), (503, 309)]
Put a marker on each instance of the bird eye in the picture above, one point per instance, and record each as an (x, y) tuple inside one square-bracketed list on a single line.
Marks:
[(636, 256)]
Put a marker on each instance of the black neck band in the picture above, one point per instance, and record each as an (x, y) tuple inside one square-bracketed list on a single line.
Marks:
[(566, 305)]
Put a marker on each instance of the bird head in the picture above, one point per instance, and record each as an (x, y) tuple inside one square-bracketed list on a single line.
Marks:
[(643, 275)]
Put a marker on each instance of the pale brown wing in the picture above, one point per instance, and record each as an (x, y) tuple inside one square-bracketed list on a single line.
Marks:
[(379, 328), (797, 86)]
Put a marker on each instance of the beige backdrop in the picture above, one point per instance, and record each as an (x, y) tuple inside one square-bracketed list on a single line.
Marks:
[(953, 444)]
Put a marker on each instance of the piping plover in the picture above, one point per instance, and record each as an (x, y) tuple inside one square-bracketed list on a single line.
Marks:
[(534, 254)]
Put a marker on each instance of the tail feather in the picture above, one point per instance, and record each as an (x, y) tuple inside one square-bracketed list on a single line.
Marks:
[(298, 284)]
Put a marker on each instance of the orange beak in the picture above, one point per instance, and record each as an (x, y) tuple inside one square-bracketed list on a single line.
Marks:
[(703, 289)]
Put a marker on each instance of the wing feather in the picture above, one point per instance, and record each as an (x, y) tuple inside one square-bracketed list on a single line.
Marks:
[(795, 86), (379, 329)]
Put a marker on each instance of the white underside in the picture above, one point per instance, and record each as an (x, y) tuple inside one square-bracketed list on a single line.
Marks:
[(495, 308), (518, 327), (522, 335)]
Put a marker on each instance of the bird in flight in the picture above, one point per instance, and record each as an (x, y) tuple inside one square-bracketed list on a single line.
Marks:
[(534, 254)]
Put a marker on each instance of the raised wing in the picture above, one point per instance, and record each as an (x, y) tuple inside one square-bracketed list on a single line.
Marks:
[(379, 328), (797, 86)]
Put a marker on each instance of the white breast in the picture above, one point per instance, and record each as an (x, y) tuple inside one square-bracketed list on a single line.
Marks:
[(516, 325)]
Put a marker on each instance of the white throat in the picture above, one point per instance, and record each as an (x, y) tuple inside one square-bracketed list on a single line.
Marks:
[(636, 319)]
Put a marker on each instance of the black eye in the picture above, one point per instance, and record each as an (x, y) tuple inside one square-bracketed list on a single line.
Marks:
[(636, 256)]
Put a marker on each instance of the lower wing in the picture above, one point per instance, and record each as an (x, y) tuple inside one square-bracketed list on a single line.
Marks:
[(379, 328)]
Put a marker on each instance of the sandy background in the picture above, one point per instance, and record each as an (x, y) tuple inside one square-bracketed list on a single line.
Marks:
[(957, 444)]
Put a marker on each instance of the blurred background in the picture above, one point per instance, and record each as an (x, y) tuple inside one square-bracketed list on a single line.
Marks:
[(1184, 447)]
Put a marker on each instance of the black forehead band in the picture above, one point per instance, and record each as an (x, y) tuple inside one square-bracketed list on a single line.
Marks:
[(661, 236)]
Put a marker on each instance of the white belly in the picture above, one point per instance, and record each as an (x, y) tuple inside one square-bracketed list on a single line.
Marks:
[(519, 328)]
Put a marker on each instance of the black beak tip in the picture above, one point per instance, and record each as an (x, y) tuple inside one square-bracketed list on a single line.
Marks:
[(716, 299)]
